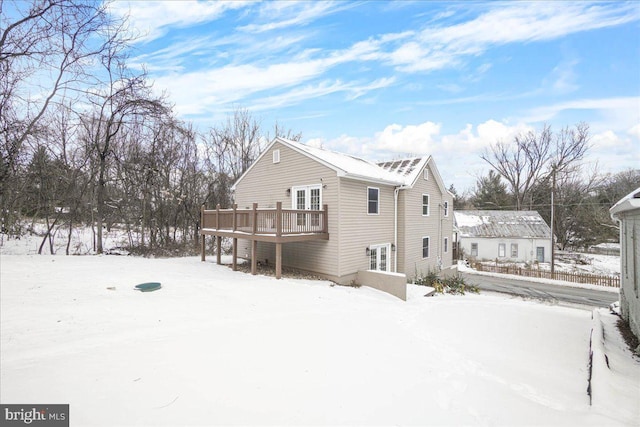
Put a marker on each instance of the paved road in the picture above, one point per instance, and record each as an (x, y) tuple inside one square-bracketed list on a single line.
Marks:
[(542, 291)]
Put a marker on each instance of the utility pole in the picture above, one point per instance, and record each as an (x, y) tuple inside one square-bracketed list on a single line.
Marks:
[(553, 190)]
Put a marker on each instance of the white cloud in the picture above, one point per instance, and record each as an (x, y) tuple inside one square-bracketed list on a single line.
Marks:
[(614, 151), (152, 18), (525, 22), (634, 132), (627, 106), (239, 68), (441, 46), (408, 139), (279, 15), (450, 87), (456, 154), (605, 140), (300, 94), (564, 77)]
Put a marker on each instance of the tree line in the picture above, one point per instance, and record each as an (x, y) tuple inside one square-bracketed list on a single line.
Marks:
[(536, 167), (84, 140)]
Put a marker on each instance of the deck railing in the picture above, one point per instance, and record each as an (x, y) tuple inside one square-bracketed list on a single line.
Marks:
[(268, 221)]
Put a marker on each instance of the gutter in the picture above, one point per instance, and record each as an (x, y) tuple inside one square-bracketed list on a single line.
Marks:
[(396, 192)]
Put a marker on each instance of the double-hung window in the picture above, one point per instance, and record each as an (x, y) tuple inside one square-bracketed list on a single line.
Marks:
[(514, 250), (425, 247), (474, 249), (446, 208), (373, 201), (502, 248), (425, 205)]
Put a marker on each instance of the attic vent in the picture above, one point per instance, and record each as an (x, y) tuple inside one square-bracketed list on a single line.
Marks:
[(276, 156), (426, 174)]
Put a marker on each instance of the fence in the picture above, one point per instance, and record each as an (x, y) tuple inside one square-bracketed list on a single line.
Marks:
[(593, 279)]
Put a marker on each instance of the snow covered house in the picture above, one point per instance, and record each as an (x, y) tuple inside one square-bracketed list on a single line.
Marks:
[(514, 236), (338, 216), (627, 212)]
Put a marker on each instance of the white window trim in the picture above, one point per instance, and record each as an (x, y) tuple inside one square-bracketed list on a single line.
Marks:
[(276, 156), (428, 205), (446, 208), (446, 245), (378, 203), (425, 174), (471, 249), (307, 188), (504, 250), (389, 257), (516, 248), (422, 247)]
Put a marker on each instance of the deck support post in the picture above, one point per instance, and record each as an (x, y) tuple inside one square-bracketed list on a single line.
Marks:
[(219, 250), (202, 246), (202, 242), (278, 219), (235, 217), (278, 260), (254, 257), (234, 265)]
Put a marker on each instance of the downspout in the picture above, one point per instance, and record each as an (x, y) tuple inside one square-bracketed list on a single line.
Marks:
[(396, 192), (440, 234)]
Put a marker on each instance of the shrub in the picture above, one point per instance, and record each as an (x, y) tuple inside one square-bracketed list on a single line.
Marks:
[(454, 285), (427, 280)]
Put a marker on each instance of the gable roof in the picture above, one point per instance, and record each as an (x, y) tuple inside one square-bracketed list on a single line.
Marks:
[(396, 173), (629, 202), (345, 164), (517, 224)]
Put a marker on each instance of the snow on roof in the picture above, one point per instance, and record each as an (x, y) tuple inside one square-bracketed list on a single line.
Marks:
[(523, 224), (629, 202), (399, 172)]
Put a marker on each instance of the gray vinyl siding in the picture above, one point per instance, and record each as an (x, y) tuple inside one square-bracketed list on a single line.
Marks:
[(413, 226), (267, 184), (358, 229), (351, 229)]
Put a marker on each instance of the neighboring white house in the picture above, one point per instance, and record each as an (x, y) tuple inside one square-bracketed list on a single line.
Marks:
[(514, 236), (627, 212)]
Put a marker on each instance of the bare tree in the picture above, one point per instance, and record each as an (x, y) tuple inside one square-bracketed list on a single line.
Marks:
[(46, 47), (533, 156), (236, 144), (231, 148), (122, 98)]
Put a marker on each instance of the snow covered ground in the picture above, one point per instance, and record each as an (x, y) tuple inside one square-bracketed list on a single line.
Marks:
[(217, 347)]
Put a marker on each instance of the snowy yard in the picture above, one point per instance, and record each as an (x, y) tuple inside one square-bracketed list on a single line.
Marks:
[(219, 347)]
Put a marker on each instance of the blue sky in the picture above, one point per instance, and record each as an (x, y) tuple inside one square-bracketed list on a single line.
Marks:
[(383, 80)]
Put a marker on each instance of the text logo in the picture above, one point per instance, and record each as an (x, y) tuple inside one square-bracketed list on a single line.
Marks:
[(35, 415)]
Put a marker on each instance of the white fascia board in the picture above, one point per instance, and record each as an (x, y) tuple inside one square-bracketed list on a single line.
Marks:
[(371, 180)]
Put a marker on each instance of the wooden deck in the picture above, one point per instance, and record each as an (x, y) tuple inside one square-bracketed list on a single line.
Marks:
[(266, 225)]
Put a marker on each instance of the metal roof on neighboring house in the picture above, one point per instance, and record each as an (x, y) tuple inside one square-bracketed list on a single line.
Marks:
[(515, 224)]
